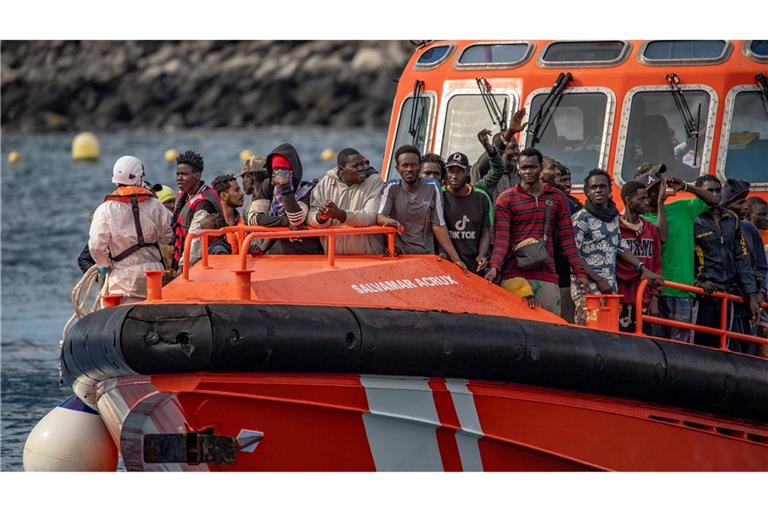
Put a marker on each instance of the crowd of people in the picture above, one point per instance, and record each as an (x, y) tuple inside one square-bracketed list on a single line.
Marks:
[(509, 217)]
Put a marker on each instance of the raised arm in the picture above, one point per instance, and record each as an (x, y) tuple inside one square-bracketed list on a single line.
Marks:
[(677, 185)]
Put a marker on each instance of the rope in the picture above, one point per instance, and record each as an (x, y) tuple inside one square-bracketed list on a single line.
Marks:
[(80, 294)]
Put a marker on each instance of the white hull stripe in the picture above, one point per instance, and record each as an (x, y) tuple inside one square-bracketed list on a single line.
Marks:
[(467, 438), (401, 424)]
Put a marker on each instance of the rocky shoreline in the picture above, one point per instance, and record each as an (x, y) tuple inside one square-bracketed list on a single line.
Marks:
[(50, 86)]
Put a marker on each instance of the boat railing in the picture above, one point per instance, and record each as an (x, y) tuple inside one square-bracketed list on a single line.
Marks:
[(261, 232), (722, 331)]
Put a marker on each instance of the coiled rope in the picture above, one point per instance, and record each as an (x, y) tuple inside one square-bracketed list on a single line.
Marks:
[(80, 295)]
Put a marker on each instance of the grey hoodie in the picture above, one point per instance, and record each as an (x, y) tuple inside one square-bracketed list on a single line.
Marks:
[(361, 202)]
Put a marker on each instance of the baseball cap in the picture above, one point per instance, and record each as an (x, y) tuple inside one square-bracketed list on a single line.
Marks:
[(649, 174), (459, 159), (254, 164)]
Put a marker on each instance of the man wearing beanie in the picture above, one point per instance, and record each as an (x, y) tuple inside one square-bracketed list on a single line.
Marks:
[(195, 202), (126, 231)]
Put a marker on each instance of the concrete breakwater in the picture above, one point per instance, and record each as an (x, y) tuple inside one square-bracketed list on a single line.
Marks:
[(50, 86)]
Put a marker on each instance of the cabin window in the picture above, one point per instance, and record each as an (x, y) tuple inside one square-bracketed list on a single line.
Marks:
[(575, 132), (747, 156), (433, 56), (657, 51), (584, 52), (465, 116), (494, 54), (656, 133), (758, 50), (421, 124)]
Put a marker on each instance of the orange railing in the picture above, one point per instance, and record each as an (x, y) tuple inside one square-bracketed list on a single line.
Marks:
[(722, 331), (261, 232)]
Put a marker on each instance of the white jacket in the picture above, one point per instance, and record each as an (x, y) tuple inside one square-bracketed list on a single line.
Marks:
[(113, 231), (361, 202)]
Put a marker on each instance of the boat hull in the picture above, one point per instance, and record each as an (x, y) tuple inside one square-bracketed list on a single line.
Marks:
[(327, 422)]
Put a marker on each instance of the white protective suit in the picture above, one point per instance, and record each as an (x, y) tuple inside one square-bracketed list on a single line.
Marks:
[(113, 231)]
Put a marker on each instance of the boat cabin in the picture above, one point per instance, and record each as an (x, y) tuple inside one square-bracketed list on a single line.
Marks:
[(698, 106)]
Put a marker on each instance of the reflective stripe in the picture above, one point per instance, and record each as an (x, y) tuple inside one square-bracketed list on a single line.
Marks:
[(467, 438), (401, 424)]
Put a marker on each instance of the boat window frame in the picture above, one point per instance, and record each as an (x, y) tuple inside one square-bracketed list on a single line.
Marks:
[(724, 55), (621, 140), (496, 65), (610, 115), (432, 95), (439, 62), (752, 55), (725, 134), (510, 92), (623, 56)]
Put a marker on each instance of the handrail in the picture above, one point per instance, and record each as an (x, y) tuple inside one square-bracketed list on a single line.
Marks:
[(261, 232), (723, 331)]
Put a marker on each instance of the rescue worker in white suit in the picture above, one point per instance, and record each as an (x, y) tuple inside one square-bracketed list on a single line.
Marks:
[(126, 231)]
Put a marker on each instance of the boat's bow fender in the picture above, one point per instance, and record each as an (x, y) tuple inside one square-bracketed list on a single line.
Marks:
[(92, 351), (168, 338)]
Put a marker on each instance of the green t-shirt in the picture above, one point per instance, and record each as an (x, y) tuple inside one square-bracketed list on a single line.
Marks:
[(677, 251)]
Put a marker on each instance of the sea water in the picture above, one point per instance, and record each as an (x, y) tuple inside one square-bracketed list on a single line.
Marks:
[(45, 205)]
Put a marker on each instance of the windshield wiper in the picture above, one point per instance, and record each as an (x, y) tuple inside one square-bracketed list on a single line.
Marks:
[(543, 116), (691, 126), (414, 126), (762, 81), (496, 113)]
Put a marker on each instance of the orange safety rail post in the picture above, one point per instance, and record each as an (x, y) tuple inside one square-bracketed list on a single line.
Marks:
[(256, 232), (723, 331)]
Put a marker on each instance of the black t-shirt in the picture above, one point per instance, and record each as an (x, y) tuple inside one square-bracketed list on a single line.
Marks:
[(465, 218)]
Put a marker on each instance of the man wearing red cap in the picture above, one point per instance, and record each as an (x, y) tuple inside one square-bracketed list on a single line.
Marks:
[(285, 203)]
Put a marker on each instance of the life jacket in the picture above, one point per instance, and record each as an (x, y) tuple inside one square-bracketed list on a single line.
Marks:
[(183, 218), (133, 195)]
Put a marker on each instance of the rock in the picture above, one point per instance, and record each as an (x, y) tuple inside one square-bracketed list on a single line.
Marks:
[(367, 59), (175, 85)]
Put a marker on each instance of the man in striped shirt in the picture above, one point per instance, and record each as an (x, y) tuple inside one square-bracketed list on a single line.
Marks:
[(520, 214)]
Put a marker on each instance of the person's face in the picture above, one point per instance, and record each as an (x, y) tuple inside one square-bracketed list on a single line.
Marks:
[(170, 204), (564, 183), (431, 170), (549, 172), (713, 188), (511, 153), (739, 207), (248, 183), (598, 190), (353, 170), (187, 178), (529, 168), (408, 167), (234, 195), (758, 215), (638, 202), (457, 177)]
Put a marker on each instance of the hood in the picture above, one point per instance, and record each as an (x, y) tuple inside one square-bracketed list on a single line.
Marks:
[(290, 153), (733, 189)]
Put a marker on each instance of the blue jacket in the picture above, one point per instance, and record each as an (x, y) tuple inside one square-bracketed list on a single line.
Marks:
[(721, 252)]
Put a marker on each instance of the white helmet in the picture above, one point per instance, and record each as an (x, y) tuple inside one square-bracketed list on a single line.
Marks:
[(128, 170)]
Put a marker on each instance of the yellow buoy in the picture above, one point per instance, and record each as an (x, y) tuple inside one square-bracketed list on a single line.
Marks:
[(14, 156), (85, 146), (170, 155), (245, 155), (327, 154)]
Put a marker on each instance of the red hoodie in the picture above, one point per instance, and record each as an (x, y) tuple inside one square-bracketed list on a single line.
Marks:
[(645, 244)]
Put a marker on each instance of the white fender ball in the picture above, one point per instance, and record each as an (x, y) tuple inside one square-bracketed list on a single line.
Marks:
[(72, 437)]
